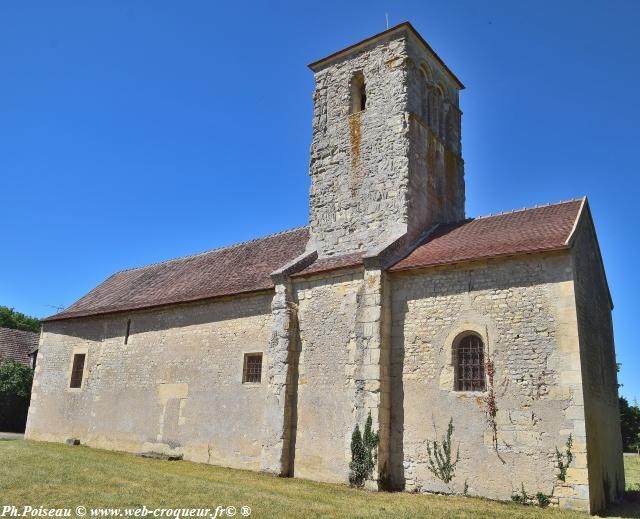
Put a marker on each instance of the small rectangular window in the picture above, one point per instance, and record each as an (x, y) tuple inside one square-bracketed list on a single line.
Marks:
[(78, 370), (126, 333), (252, 371), (358, 93)]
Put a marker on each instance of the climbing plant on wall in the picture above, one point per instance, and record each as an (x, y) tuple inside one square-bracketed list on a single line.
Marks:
[(441, 462), (491, 406), (564, 459)]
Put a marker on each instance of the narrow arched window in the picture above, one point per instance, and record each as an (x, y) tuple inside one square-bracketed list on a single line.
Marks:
[(435, 108), (358, 93), (424, 96), (468, 362)]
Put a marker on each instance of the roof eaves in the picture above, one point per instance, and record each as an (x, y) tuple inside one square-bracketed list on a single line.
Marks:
[(102, 312)]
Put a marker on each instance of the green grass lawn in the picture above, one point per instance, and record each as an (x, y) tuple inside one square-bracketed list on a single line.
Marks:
[(632, 472), (55, 475)]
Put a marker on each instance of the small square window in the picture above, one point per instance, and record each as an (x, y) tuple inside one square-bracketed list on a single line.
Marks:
[(77, 371), (252, 371)]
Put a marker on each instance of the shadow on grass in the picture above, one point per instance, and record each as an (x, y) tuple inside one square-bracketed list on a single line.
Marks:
[(630, 507)]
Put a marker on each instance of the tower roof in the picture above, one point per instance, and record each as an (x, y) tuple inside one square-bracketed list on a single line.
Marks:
[(404, 26)]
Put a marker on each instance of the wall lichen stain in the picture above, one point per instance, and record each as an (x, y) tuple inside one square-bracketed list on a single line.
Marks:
[(355, 138)]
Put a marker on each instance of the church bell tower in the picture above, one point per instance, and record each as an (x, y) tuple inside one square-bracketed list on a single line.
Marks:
[(385, 157)]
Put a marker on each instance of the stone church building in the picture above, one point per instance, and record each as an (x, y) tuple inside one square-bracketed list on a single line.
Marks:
[(266, 354)]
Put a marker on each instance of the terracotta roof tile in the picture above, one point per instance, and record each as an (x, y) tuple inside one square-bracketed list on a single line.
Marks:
[(237, 269), (246, 267), (529, 230), (331, 263), (17, 344)]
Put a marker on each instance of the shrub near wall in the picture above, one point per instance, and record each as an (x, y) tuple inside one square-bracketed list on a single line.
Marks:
[(15, 394)]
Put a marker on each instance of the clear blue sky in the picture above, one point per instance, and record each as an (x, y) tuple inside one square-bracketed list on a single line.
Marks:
[(132, 132)]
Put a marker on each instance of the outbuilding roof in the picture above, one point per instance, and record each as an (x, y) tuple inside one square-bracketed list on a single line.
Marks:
[(17, 344)]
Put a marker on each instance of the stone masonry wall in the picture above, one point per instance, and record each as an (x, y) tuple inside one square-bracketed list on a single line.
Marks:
[(524, 310), (604, 444), (176, 387), (342, 371), (436, 189), (358, 162), (393, 167), (327, 371)]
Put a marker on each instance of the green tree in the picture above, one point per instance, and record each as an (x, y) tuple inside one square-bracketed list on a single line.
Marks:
[(15, 394), (9, 318), (363, 453), (356, 466), (370, 442), (629, 424)]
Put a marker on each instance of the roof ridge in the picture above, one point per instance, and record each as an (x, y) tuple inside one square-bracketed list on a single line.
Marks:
[(522, 209), (217, 249)]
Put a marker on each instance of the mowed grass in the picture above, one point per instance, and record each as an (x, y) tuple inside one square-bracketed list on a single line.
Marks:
[(54, 475), (631, 506), (632, 472)]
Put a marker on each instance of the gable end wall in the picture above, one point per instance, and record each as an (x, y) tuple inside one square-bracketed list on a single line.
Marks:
[(597, 351), (524, 310)]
